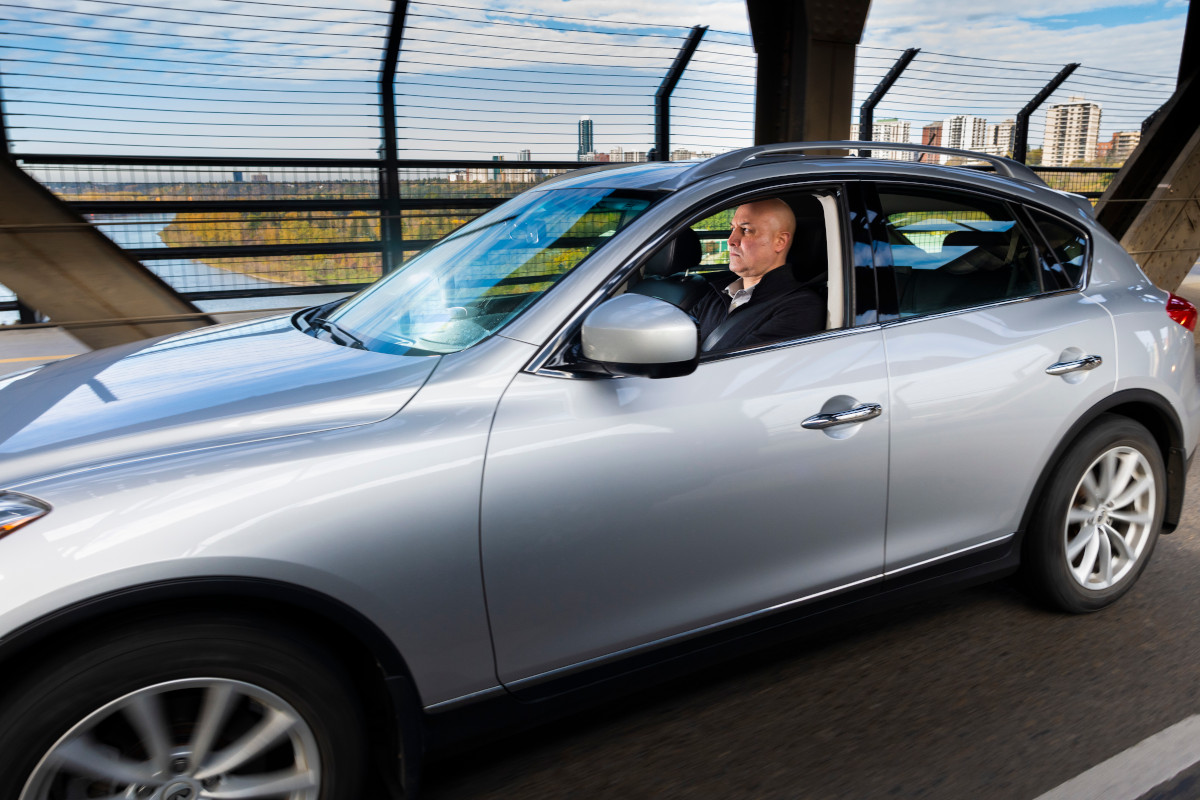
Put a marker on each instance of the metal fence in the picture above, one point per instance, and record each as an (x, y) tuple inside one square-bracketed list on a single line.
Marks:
[(274, 149)]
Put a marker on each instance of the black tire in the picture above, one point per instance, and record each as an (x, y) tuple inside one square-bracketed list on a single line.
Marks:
[(89, 692), (1060, 549)]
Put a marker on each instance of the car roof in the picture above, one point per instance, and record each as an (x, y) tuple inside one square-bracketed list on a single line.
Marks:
[(674, 175)]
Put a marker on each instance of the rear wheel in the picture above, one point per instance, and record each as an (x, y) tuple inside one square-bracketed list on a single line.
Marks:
[(185, 710), (1099, 518)]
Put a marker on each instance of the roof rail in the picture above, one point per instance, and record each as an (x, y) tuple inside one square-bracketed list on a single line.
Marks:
[(730, 161)]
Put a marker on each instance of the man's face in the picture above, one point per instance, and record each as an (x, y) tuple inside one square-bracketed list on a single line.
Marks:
[(757, 244)]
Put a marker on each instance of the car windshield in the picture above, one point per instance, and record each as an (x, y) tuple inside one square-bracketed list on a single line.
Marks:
[(475, 280)]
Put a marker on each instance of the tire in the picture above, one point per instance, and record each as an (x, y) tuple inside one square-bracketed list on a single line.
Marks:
[(1098, 519), (164, 709)]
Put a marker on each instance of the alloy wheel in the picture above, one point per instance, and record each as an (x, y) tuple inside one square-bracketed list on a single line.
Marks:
[(196, 739), (1111, 518)]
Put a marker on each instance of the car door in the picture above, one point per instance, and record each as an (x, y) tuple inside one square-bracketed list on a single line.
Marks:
[(980, 316), (622, 513)]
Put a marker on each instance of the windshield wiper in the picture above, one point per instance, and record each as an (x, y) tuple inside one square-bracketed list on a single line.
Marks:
[(337, 332)]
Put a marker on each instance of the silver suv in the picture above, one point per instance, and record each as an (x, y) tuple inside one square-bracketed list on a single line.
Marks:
[(248, 560)]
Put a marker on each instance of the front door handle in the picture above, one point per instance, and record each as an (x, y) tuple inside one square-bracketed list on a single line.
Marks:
[(1079, 365), (819, 422)]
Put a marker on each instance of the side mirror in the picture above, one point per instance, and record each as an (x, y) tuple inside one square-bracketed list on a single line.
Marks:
[(634, 335)]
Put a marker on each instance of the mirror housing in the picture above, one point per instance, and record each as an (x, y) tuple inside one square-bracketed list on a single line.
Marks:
[(638, 336)]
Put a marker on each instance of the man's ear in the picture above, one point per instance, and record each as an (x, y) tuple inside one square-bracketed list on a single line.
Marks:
[(783, 241)]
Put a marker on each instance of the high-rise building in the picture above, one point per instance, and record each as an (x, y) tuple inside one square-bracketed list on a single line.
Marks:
[(931, 135), (683, 154), (1072, 130), (587, 144), (999, 141), (887, 130), (525, 155), (964, 132), (892, 130), (1118, 149)]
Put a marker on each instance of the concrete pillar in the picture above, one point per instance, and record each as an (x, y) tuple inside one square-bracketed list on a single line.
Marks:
[(62, 267), (805, 81)]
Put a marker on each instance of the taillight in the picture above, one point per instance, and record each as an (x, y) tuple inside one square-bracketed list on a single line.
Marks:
[(1181, 311)]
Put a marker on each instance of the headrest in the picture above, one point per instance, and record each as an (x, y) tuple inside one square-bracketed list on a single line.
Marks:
[(679, 254), (990, 239), (807, 254)]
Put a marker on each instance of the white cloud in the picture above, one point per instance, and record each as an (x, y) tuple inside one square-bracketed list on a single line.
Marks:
[(1146, 47)]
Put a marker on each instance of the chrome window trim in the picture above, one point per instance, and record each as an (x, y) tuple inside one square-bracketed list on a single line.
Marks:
[(1026, 224), (710, 358), (537, 364), (733, 621), (966, 309), (769, 346), (1010, 196), (1086, 278)]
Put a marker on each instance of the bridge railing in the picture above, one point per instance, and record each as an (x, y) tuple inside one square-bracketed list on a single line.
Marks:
[(287, 150)]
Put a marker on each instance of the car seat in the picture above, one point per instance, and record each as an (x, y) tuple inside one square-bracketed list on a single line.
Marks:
[(664, 273)]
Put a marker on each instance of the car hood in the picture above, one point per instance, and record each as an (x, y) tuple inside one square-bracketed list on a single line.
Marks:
[(220, 385)]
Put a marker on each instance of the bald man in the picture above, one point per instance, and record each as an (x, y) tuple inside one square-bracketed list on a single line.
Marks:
[(763, 301)]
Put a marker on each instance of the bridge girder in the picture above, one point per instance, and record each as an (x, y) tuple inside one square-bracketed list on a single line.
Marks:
[(61, 266), (805, 77), (1151, 204)]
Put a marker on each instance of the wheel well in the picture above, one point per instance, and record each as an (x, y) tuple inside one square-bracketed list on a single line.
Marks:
[(1155, 415), (364, 654), (1170, 443)]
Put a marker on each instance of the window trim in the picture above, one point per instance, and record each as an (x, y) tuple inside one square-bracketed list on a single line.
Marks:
[(883, 251), (1042, 240)]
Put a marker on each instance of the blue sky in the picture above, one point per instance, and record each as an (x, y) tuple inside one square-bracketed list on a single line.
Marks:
[(74, 85)]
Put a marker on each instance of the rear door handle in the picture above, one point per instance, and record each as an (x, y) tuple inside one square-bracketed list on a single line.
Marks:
[(1079, 365), (819, 422)]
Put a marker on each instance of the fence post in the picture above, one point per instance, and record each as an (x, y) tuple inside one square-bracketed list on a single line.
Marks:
[(866, 113), (662, 98), (1021, 131), (390, 229), (25, 314), (5, 149)]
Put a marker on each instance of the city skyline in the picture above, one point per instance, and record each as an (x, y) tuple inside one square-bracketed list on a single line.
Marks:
[(1071, 135)]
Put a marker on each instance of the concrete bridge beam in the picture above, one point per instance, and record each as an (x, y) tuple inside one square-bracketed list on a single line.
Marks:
[(61, 266)]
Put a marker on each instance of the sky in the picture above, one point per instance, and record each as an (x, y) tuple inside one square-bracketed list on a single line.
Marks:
[(481, 78), (1141, 36)]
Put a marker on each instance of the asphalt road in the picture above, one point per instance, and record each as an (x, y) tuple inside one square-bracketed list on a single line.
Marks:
[(979, 694)]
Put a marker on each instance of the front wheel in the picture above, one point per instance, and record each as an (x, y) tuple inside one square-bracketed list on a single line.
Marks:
[(1099, 517), (184, 710)]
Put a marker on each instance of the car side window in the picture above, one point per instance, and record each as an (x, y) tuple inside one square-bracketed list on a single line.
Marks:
[(713, 233), (798, 283), (953, 250), (1068, 246)]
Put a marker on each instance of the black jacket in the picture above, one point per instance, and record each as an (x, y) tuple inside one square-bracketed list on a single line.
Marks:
[(781, 307)]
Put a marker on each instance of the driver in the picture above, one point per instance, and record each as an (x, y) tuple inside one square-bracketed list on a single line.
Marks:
[(763, 301)]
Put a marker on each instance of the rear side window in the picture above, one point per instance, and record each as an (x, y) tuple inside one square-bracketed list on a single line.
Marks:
[(952, 250), (1068, 246)]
